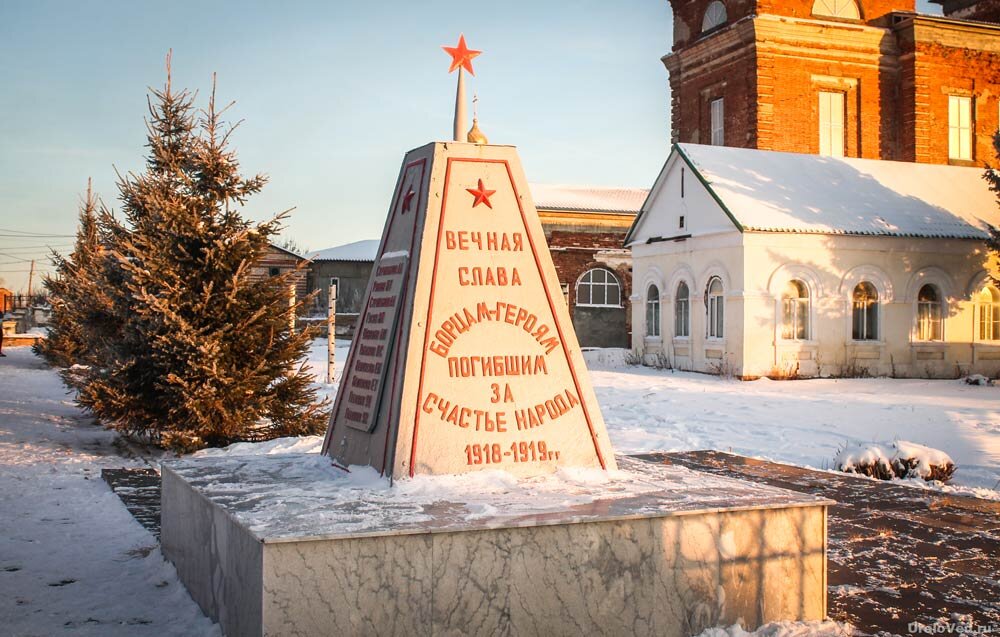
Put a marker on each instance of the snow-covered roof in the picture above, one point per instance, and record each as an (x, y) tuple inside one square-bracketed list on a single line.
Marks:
[(587, 198), (792, 192), (364, 250)]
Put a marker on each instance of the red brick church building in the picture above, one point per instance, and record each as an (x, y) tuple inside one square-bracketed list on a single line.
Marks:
[(852, 78)]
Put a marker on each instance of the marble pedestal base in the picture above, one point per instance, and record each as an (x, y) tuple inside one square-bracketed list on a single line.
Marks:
[(267, 549)]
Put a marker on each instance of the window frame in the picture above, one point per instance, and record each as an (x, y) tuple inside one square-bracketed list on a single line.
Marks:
[(874, 322), (835, 13), (716, 22), (957, 106), (828, 128), (653, 307), (929, 326), (798, 309), (682, 311), (717, 121), (715, 310), (988, 317), (580, 282)]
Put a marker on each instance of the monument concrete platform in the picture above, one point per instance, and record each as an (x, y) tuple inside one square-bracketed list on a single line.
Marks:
[(289, 545)]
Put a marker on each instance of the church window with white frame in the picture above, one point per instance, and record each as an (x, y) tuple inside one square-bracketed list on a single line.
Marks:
[(989, 314), (652, 311), (717, 111), (844, 9), (715, 308), (831, 123), (715, 16), (928, 314), (599, 288), (864, 312), (682, 311), (959, 127), (795, 312)]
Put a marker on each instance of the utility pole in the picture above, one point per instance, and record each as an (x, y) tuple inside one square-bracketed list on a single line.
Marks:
[(331, 331), (31, 275)]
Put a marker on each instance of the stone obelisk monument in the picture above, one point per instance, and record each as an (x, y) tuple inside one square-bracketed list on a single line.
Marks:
[(465, 357)]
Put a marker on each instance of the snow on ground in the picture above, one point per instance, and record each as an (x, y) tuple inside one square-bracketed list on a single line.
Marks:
[(72, 559), (802, 422), (805, 422)]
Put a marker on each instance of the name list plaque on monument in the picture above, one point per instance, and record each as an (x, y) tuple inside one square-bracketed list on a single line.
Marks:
[(487, 372), (375, 336)]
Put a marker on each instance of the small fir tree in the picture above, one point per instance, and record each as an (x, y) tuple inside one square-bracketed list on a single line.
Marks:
[(78, 296), (207, 354)]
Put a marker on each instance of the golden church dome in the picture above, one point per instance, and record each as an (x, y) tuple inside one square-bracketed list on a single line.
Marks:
[(476, 136)]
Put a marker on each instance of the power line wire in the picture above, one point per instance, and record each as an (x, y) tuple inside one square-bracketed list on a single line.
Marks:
[(36, 245), (26, 233), (19, 260), (36, 236), (39, 251), (16, 258)]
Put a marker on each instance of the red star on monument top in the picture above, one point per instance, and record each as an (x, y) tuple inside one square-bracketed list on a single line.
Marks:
[(461, 55), (481, 194), (407, 200)]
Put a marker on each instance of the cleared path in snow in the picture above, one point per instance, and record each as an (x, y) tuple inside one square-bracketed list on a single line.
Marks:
[(72, 559)]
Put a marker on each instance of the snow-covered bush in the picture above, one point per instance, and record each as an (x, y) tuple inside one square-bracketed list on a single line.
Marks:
[(917, 461), (900, 459), (870, 460)]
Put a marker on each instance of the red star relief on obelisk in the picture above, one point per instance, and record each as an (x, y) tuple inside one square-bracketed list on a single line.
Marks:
[(407, 200), (481, 194), (461, 55)]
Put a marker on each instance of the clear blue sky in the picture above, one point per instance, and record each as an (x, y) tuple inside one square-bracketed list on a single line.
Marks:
[(332, 94)]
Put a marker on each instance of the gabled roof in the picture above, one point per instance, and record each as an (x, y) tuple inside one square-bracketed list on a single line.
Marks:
[(587, 198), (286, 251), (365, 250), (768, 191)]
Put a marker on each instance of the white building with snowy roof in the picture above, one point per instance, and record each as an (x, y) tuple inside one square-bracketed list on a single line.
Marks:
[(756, 263)]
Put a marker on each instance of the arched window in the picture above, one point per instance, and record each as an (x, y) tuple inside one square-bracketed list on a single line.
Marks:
[(795, 311), (682, 310), (864, 314), (715, 307), (989, 314), (715, 15), (928, 314), (599, 288), (847, 9), (652, 311)]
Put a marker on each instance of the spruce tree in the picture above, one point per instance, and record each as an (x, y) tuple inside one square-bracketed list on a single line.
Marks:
[(77, 295), (206, 354)]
